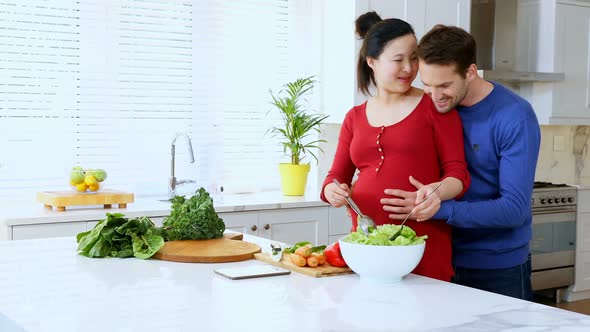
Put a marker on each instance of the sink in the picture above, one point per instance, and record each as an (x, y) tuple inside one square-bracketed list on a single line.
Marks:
[(168, 200)]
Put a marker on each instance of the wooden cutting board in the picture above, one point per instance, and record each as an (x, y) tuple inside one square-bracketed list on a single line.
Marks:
[(61, 199), (230, 248), (325, 270)]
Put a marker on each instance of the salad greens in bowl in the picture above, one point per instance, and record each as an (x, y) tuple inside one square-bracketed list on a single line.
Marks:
[(375, 257)]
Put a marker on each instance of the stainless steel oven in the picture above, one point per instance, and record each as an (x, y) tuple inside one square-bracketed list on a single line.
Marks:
[(554, 234)]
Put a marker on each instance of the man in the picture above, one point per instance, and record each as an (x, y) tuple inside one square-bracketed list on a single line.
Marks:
[(492, 221)]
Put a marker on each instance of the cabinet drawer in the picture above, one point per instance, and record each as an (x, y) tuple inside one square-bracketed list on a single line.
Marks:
[(242, 222), (47, 230), (295, 225), (340, 222)]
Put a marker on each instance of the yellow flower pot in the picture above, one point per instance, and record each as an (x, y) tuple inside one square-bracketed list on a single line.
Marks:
[(293, 179)]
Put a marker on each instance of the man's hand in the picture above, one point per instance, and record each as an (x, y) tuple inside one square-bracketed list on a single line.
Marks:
[(409, 201), (427, 200), (335, 194)]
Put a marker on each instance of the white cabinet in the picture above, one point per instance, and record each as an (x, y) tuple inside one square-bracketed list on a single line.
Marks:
[(36, 231), (295, 225), (422, 14), (340, 45), (583, 241), (156, 220), (289, 225), (554, 37), (242, 222), (581, 288), (58, 229), (339, 224), (582, 277), (283, 225)]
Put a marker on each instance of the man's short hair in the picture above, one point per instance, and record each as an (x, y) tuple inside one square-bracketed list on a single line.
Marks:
[(448, 45)]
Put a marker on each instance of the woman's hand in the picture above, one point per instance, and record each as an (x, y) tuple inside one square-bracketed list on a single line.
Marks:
[(335, 194), (427, 200)]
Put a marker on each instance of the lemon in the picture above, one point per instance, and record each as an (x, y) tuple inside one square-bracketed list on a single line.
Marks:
[(81, 187), (90, 180), (94, 187)]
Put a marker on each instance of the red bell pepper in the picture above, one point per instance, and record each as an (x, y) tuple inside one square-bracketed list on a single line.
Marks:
[(333, 255)]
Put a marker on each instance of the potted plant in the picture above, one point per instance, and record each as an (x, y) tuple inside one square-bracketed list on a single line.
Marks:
[(298, 124)]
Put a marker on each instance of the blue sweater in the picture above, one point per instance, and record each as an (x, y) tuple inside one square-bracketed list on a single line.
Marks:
[(492, 221)]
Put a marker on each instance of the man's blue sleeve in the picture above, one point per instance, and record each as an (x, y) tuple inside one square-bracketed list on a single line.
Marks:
[(518, 158)]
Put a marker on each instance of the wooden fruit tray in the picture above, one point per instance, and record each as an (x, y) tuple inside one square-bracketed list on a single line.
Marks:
[(62, 199)]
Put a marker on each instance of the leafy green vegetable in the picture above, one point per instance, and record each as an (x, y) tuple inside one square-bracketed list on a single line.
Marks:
[(380, 236), (117, 236), (318, 249), (193, 219), (291, 250), (145, 246), (297, 245)]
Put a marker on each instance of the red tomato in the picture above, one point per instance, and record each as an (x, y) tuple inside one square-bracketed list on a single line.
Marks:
[(333, 255)]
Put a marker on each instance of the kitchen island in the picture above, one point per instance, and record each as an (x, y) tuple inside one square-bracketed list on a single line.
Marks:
[(46, 286)]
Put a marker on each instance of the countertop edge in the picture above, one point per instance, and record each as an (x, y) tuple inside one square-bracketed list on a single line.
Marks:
[(34, 213)]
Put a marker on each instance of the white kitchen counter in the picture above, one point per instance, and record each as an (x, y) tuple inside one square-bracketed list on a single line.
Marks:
[(46, 286), (24, 213)]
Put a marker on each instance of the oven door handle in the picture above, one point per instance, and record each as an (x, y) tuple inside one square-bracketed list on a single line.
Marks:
[(555, 210), (555, 216)]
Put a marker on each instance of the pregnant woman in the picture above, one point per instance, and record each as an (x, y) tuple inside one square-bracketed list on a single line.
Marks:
[(397, 138)]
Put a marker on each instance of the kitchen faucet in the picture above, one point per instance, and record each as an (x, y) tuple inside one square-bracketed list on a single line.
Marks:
[(173, 181)]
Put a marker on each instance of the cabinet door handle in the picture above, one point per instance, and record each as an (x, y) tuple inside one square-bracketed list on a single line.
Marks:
[(267, 227), (254, 228)]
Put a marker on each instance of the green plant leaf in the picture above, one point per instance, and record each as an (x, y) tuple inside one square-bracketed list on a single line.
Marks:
[(297, 123)]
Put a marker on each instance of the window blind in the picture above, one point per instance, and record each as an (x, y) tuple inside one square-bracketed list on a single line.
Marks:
[(39, 65), (107, 84)]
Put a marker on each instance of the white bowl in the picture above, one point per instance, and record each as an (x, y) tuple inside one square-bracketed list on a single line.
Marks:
[(381, 263)]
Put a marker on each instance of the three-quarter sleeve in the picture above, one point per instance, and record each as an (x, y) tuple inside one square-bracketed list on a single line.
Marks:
[(342, 167)]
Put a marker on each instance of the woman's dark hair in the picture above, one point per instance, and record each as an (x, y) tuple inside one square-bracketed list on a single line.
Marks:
[(448, 45), (376, 33)]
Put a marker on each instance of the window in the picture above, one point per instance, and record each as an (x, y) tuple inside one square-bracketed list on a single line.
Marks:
[(107, 84)]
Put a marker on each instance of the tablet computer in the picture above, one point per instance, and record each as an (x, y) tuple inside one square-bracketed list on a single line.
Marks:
[(254, 271)]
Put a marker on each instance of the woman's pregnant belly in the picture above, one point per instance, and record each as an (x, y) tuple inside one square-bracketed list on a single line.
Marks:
[(369, 190)]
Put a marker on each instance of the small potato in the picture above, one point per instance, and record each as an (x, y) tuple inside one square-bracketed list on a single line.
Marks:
[(321, 258), (298, 259), (303, 251), (312, 261)]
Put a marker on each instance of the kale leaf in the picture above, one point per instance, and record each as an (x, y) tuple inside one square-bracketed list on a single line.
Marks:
[(193, 219), (117, 236)]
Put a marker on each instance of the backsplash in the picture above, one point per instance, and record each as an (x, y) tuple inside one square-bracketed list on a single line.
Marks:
[(563, 157)]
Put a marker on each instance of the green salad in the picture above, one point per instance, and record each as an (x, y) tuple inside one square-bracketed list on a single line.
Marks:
[(380, 235)]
